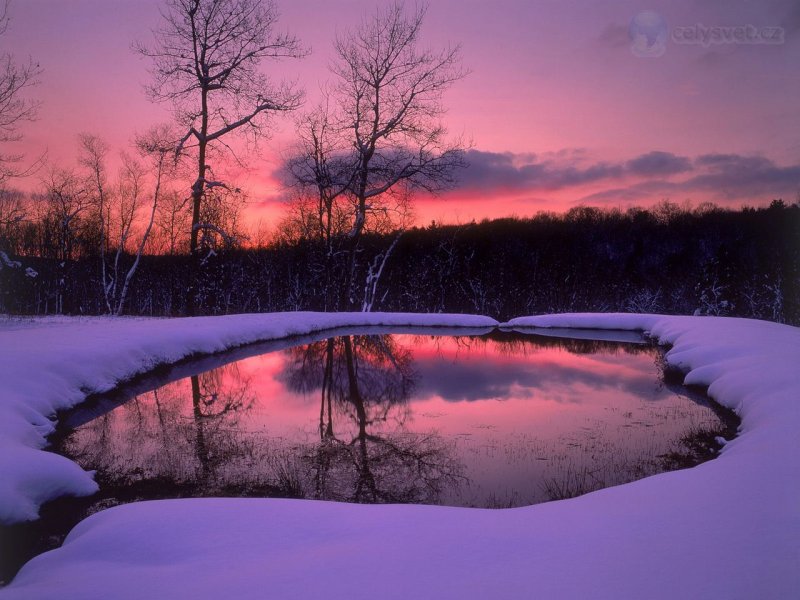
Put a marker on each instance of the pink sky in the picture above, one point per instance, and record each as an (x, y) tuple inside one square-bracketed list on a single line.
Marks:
[(559, 109)]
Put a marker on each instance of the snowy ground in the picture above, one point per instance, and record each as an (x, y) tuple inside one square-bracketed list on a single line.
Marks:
[(729, 528)]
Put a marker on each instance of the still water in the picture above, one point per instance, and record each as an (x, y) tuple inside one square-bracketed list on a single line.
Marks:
[(493, 420)]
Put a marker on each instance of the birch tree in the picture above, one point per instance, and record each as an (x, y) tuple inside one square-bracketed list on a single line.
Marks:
[(384, 139), (206, 61), (155, 146), (92, 157), (125, 213)]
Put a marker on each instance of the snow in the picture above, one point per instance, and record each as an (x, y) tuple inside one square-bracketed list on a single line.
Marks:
[(51, 364), (727, 528)]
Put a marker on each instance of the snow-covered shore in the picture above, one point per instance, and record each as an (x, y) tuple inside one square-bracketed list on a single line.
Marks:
[(51, 364), (728, 528)]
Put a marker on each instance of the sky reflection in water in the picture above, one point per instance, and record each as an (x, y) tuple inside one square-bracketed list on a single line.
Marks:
[(493, 421)]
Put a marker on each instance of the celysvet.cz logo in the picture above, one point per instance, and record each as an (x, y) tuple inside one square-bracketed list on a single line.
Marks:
[(648, 32), (709, 35), (650, 35)]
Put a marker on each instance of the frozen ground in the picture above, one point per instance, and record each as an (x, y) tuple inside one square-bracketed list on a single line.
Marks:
[(729, 528)]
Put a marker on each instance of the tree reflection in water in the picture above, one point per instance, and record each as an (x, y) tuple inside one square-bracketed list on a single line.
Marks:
[(362, 453), (364, 383), (497, 420), (152, 438)]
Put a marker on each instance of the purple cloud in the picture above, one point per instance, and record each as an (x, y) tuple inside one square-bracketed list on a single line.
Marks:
[(658, 164), (651, 176)]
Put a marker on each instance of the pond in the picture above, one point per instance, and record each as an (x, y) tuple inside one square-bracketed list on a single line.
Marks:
[(489, 420), (477, 418)]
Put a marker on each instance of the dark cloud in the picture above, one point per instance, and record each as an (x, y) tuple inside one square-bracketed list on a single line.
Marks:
[(492, 170), (655, 175), (643, 192), (658, 164), (732, 162), (718, 177), (736, 176)]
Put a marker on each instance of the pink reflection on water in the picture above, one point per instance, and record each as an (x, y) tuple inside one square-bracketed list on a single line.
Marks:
[(457, 421)]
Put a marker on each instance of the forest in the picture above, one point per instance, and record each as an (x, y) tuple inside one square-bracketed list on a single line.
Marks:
[(668, 259)]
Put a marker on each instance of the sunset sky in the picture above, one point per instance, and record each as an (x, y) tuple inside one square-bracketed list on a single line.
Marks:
[(559, 106)]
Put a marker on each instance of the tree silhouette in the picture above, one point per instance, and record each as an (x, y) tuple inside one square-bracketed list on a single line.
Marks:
[(375, 138), (15, 79), (206, 58)]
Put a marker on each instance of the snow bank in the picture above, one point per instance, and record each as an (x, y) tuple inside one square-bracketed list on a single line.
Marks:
[(51, 364), (729, 528)]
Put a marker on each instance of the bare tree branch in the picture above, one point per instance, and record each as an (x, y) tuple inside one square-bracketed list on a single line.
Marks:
[(206, 60), (229, 239), (15, 79), (383, 138)]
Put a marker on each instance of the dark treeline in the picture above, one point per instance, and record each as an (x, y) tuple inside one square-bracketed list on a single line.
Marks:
[(669, 259)]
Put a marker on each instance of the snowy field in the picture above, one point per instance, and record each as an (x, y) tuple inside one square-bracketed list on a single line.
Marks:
[(729, 528)]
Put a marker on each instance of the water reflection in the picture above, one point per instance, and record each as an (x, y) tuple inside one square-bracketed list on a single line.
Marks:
[(365, 451), (159, 436), (492, 420)]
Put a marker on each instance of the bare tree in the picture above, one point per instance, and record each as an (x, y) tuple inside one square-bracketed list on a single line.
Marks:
[(321, 173), (206, 59), (15, 78), (92, 155), (117, 209), (172, 222), (390, 94), (63, 203), (156, 145), (384, 139), (221, 219), (12, 212)]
